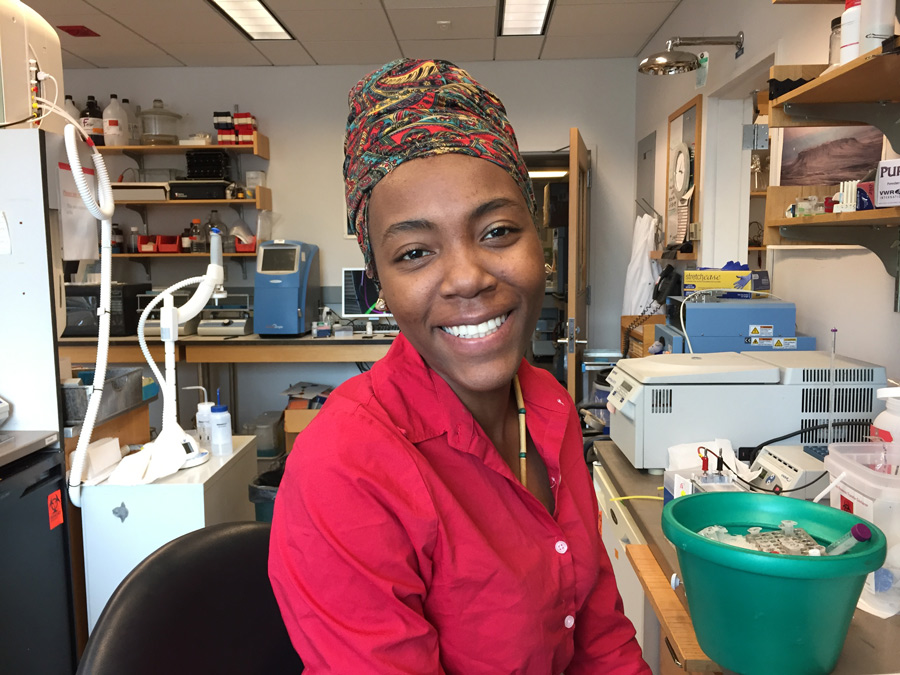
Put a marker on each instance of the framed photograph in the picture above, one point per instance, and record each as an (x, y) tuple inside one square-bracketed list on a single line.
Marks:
[(827, 155)]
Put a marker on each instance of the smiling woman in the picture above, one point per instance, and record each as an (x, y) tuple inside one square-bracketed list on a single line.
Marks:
[(437, 516)]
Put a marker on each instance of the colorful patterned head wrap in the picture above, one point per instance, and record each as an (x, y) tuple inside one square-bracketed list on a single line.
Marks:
[(415, 108)]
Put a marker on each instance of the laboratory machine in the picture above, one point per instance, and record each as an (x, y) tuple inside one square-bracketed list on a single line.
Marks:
[(287, 293), (360, 296), (730, 325), (667, 399)]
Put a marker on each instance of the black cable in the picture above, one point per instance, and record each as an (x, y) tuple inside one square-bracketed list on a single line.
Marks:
[(22, 121), (849, 423), (721, 462)]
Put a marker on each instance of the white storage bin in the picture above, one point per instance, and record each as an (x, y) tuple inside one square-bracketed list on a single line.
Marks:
[(871, 490)]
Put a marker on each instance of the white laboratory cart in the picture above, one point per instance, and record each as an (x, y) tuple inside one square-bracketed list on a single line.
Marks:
[(618, 529), (122, 525)]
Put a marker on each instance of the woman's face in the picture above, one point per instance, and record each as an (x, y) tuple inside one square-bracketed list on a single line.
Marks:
[(461, 267)]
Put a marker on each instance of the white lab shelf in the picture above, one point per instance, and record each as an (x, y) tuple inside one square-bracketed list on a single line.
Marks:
[(122, 525)]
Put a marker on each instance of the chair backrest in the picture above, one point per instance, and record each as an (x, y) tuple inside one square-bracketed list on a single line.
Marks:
[(200, 604)]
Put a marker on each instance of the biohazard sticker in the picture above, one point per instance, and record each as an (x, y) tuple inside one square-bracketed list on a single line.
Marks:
[(757, 330), (785, 343)]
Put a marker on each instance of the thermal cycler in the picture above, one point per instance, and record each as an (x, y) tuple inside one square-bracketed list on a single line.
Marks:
[(287, 293)]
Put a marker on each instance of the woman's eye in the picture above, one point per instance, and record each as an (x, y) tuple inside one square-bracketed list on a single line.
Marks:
[(498, 231), (413, 254)]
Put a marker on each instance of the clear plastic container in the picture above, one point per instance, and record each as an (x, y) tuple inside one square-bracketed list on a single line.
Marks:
[(159, 126), (871, 490)]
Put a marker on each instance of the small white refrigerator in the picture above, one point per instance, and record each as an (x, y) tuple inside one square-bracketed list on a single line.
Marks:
[(122, 525)]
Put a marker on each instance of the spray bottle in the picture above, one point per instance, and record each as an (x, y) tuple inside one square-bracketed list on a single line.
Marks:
[(886, 426)]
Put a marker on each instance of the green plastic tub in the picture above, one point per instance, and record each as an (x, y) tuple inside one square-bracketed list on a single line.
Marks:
[(759, 613)]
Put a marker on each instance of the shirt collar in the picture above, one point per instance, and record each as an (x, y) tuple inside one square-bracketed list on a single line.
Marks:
[(423, 406)]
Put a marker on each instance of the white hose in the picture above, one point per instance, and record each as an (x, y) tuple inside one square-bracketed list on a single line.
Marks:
[(103, 211), (143, 320)]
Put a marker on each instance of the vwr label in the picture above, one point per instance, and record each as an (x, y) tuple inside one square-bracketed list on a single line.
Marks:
[(887, 183)]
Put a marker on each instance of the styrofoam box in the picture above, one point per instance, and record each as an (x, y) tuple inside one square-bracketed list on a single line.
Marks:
[(871, 490)]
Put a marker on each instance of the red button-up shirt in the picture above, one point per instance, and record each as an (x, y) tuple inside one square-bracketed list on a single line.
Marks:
[(402, 542)]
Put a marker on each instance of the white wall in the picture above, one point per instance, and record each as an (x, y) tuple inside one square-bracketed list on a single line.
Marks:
[(303, 110)]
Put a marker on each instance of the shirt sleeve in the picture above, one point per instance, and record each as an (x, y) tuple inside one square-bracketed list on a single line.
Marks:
[(604, 637), (349, 556)]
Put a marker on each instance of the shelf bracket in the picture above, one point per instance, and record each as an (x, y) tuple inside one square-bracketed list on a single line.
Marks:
[(884, 115), (881, 240)]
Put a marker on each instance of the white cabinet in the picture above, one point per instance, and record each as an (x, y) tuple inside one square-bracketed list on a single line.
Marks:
[(617, 529), (124, 524)]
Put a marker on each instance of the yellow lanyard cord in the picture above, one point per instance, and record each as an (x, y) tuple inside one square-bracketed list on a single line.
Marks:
[(523, 457)]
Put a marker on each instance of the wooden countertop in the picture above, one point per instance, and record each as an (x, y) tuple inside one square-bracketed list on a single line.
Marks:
[(236, 349), (871, 646)]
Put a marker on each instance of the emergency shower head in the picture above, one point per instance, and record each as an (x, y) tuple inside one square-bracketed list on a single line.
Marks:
[(672, 62)]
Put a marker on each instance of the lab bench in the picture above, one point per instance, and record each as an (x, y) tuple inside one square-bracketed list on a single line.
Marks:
[(235, 349), (871, 644)]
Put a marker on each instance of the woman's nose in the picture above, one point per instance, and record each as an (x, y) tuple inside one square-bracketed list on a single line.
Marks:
[(466, 272)]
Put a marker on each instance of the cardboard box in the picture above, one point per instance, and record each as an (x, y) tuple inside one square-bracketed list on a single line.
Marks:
[(295, 421), (887, 183), (704, 280)]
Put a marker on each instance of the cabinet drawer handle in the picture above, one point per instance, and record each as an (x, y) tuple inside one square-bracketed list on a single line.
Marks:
[(672, 652)]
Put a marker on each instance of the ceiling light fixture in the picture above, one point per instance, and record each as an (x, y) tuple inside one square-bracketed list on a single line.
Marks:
[(252, 18), (673, 62), (548, 174), (524, 17)]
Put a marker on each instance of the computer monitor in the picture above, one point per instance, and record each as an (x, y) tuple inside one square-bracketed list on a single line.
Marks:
[(359, 296)]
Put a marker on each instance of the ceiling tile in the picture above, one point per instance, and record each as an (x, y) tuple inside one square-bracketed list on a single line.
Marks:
[(71, 61), (49, 8), (519, 48), (335, 25), (449, 50), (202, 26), (284, 53), (353, 53), (437, 4), (592, 47), (215, 54), (421, 24), (303, 5), (607, 19)]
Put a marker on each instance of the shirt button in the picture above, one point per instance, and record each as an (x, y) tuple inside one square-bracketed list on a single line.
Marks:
[(561, 547), (570, 621), (552, 481)]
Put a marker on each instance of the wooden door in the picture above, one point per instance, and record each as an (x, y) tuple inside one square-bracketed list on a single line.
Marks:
[(576, 333)]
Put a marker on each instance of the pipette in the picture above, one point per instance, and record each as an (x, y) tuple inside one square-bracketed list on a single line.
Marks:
[(857, 533)]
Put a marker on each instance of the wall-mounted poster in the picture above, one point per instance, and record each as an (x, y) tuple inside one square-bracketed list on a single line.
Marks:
[(828, 155)]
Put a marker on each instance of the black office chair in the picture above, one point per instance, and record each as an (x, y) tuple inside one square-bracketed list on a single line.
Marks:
[(200, 604)]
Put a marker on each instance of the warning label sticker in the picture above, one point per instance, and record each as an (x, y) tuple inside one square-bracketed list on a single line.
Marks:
[(761, 342), (761, 331), (785, 343)]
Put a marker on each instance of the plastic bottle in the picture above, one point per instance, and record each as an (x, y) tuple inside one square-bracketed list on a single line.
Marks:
[(71, 108), (204, 410), (887, 425), (133, 240), (220, 429), (875, 19), (92, 120), (133, 134), (118, 239), (199, 237), (115, 122), (850, 20), (834, 42)]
